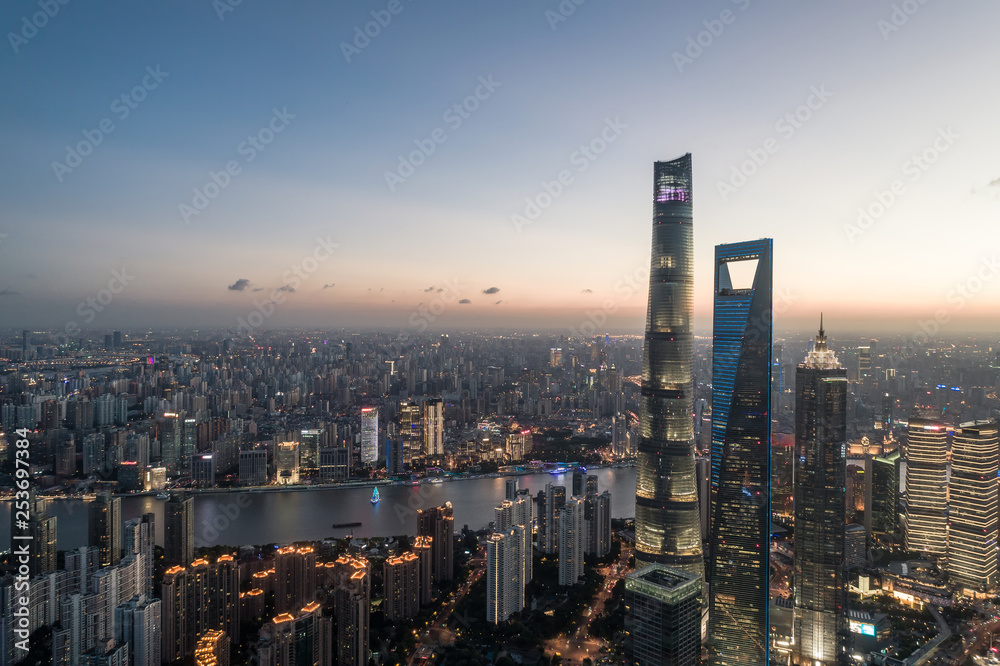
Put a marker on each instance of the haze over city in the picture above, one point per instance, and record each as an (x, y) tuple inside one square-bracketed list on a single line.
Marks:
[(420, 152)]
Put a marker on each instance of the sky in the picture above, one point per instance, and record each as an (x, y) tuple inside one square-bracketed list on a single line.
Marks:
[(490, 164)]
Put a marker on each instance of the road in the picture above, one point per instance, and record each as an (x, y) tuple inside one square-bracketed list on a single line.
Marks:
[(437, 632), (579, 644)]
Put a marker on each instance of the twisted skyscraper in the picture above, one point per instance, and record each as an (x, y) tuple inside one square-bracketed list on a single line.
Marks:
[(666, 494)]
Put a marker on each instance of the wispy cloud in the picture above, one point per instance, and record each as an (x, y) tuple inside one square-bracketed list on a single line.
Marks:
[(491, 290), (239, 285)]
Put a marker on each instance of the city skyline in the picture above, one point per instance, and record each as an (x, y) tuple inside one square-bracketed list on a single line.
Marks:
[(323, 176)]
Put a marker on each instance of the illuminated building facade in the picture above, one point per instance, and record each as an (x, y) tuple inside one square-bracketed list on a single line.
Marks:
[(972, 510), (666, 511), (663, 605), (820, 468), (369, 435), (739, 571), (884, 502), (926, 487)]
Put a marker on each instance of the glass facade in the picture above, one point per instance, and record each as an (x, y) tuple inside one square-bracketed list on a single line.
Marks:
[(885, 496), (663, 607), (926, 487), (739, 590), (820, 511), (972, 511), (666, 512)]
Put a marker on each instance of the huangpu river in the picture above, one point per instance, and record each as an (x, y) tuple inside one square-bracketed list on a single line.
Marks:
[(254, 518)]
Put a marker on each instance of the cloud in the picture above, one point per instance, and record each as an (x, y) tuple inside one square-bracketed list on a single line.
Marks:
[(289, 289), (587, 291), (327, 286), (491, 290), (258, 289), (9, 292), (430, 288), (498, 303), (440, 290), (994, 183), (464, 301), (239, 285)]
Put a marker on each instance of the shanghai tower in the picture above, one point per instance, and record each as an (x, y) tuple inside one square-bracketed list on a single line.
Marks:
[(667, 523)]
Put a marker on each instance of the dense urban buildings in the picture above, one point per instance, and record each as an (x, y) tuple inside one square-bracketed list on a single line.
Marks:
[(438, 523), (820, 516), (667, 523), (739, 572)]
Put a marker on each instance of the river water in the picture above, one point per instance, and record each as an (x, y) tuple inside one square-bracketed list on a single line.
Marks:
[(242, 518)]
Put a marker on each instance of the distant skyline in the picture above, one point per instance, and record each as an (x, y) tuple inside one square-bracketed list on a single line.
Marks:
[(309, 118)]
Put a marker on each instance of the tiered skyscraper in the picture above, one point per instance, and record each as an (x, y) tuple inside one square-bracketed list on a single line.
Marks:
[(666, 494), (820, 469), (739, 572)]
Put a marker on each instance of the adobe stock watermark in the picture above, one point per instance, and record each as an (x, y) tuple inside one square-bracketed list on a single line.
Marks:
[(786, 127), (363, 35), (628, 286), (223, 7), (31, 25), (562, 12), (90, 307), (291, 280), (900, 16), (212, 527), (453, 116), (419, 499), (581, 158), (122, 107), (698, 43), (248, 149), (957, 298), (913, 169)]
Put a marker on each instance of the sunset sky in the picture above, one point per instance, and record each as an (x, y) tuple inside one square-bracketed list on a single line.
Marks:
[(628, 79)]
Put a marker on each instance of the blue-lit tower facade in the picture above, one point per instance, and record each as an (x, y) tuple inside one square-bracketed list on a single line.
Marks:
[(666, 513), (738, 575)]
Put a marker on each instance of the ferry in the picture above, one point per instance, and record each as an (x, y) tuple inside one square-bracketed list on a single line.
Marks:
[(163, 496), (375, 496)]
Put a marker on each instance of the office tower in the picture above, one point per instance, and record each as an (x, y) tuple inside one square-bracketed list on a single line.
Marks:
[(178, 530), (425, 567), (579, 483), (117, 339), (295, 579), (42, 528), (510, 489), (666, 496), (555, 500), (739, 572), (351, 604), (855, 547), (401, 578), (253, 467), (176, 639), (439, 523), (703, 467), (395, 448), (108, 342), (369, 436), (105, 527), (864, 364), (820, 468), (572, 540), (286, 463), (926, 487), (203, 470), (189, 443), (411, 432), (591, 485), (312, 440), (334, 464), (93, 454), (171, 442), (663, 607), (972, 511), (434, 427), (883, 505), (555, 357), (137, 622), (597, 516), (212, 649)]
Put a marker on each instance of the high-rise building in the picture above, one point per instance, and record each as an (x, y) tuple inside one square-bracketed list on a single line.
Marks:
[(352, 607), (137, 622), (369, 436), (334, 464), (43, 532), (305, 638), (286, 463), (663, 607), (926, 487), (666, 512), (425, 566), (555, 499), (178, 530), (171, 442), (253, 467), (411, 432), (312, 441), (508, 558), (177, 641), (739, 572), (203, 470), (401, 579), (295, 579), (434, 427), (139, 535), (820, 467), (439, 523), (212, 649), (597, 516), (105, 527), (972, 510), (572, 541), (883, 505)]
